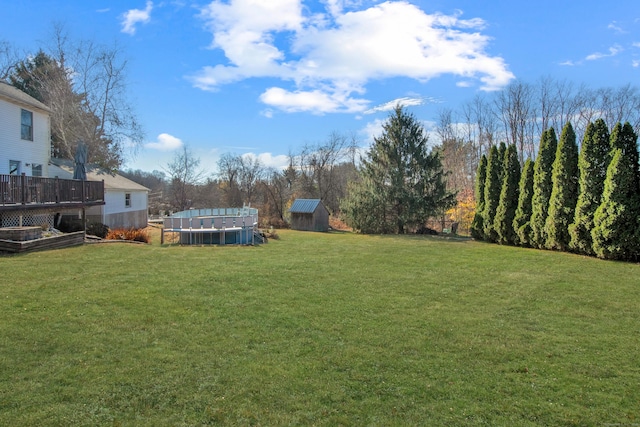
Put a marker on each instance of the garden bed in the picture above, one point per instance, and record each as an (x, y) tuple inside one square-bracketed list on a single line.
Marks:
[(52, 242)]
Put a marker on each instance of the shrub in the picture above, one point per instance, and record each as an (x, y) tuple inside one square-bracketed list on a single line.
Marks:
[(521, 222), (492, 189), (70, 225), (98, 229), (477, 226), (564, 192), (131, 234), (592, 162), (542, 186), (271, 234), (506, 210)]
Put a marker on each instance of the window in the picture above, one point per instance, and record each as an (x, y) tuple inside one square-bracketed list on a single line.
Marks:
[(127, 200), (14, 167), (36, 169), (27, 125)]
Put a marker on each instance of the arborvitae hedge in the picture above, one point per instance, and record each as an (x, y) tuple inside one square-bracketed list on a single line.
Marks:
[(592, 162), (587, 202), (492, 188), (521, 222), (564, 194), (477, 228), (542, 187), (624, 137), (506, 211), (616, 231), (502, 152)]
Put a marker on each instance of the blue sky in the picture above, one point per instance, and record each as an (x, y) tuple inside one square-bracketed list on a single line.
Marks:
[(265, 77)]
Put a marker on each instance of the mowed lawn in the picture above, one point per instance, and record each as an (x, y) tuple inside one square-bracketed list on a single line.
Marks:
[(318, 329)]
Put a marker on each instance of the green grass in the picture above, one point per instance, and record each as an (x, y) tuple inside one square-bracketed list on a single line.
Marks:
[(318, 329)]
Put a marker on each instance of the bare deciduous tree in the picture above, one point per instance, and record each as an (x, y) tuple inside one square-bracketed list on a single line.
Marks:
[(482, 124), (317, 165), (9, 58), (85, 86), (516, 110), (184, 175)]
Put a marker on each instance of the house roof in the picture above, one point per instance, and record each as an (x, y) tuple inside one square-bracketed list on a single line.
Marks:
[(63, 168), (305, 205), (17, 96)]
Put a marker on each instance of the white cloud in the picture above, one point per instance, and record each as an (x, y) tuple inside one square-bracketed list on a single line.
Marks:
[(329, 58), (616, 28), (279, 161), (135, 16), (316, 101), (165, 142), (372, 130), (635, 63), (405, 101), (613, 51)]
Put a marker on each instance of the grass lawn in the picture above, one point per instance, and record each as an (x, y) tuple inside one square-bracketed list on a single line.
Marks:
[(318, 329)]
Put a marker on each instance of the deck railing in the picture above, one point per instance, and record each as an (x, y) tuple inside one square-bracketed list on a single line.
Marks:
[(35, 190)]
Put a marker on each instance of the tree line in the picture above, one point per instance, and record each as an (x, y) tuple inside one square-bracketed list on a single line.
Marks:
[(585, 201), (320, 170), (394, 188)]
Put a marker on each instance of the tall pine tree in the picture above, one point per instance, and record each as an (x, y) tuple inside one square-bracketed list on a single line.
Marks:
[(616, 232), (492, 188), (477, 228), (564, 193), (592, 162), (402, 180), (521, 222), (506, 211), (542, 187)]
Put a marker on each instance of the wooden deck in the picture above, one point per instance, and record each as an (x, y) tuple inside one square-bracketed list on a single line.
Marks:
[(19, 192)]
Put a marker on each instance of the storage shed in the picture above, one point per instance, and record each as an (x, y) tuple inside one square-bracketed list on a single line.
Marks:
[(309, 215)]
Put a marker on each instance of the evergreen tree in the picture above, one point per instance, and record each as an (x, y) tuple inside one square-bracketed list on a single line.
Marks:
[(616, 231), (564, 193), (365, 207), (521, 222), (477, 228), (502, 152), (401, 180), (624, 137), (492, 188), (542, 186), (506, 211), (592, 162)]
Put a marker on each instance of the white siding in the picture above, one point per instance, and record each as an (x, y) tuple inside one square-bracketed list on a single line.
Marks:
[(114, 201), (12, 147), (115, 214)]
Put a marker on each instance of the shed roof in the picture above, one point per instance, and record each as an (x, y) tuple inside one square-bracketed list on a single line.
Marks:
[(16, 95), (305, 205)]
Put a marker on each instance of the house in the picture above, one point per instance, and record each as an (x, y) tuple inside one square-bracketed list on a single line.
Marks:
[(25, 136), (27, 196), (125, 202), (309, 215)]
